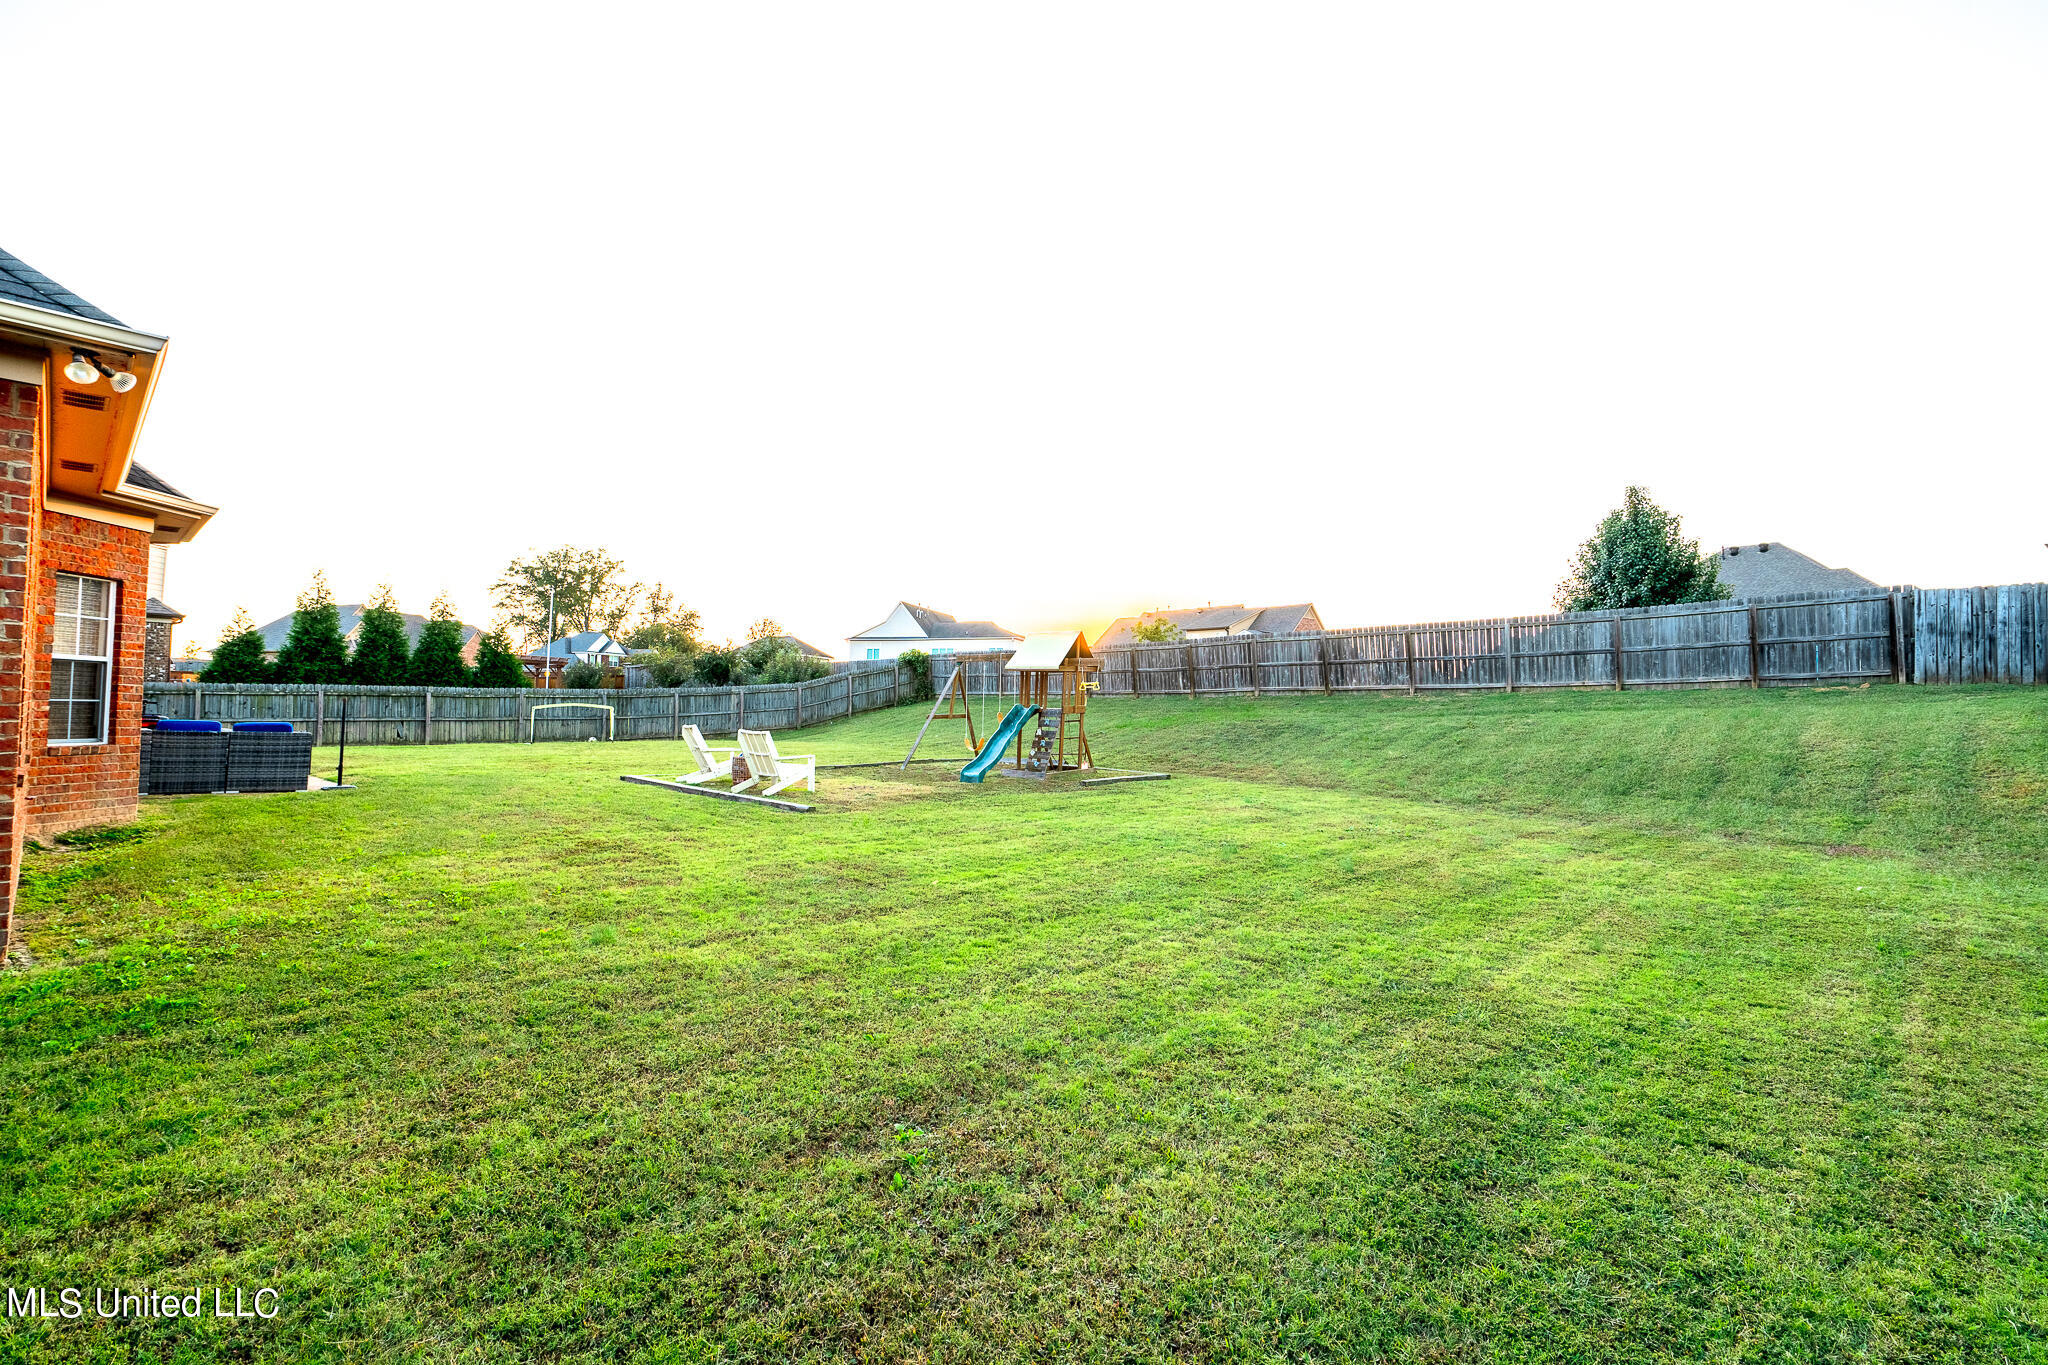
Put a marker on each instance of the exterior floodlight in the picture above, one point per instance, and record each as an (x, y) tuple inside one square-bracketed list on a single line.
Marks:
[(81, 370), (121, 380)]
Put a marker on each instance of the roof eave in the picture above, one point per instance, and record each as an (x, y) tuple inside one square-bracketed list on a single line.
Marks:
[(188, 518), (52, 325)]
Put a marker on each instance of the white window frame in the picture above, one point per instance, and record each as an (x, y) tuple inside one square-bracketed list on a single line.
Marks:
[(873, 652), (106, 661)]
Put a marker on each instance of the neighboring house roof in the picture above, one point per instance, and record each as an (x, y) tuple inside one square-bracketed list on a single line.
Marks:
[(275, 632), (802, 648), (142, 478), (23, 283), (1235, 618), (157, 611), (936, 625), (581, 643), (1771, 568)]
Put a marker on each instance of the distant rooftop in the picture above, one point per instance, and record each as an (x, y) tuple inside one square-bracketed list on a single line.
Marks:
[(1771, 568)]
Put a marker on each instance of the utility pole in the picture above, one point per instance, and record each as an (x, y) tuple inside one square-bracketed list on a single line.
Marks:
[(547, 656)]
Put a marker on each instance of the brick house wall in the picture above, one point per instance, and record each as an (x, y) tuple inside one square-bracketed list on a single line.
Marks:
[(71, 785), (46, 789), (19, 501)]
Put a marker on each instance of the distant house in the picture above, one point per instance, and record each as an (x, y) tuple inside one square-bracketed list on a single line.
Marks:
[(586, 646), (1771, 568), (1209, 623), (276, 632), (157, 622), (158, 619), (188, 670), (909, 626), (545, 666)]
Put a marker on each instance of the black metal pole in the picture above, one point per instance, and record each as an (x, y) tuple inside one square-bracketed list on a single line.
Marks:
[(341, 759)]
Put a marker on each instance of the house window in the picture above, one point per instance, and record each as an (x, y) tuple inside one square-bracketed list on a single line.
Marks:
[(942, 649), (82, 660), (874, 653)]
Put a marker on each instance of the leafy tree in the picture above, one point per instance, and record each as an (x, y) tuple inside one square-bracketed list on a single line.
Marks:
[(717, 666), (583, 673), (314, 652), (790, 664), (590, 593), (1157, 631), (767, 628), (1639, 557), (920, 665), (496, 664), (382, 653), (669, 668), (437, 661), (665, 624), (239, 656)]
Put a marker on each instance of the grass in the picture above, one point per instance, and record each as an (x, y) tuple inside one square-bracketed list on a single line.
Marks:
[(1640, 1027)]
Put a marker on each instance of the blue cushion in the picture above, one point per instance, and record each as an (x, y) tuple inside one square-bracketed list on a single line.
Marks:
[(202, 727), (266, 726)]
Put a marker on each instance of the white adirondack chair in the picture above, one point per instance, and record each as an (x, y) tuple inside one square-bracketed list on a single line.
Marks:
[(777, 770), (708, 766)]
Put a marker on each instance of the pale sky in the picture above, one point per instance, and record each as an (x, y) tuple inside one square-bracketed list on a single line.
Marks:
[(1049, 314)]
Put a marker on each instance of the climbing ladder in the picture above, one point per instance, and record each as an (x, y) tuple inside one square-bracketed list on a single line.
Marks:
[(1045, 743)]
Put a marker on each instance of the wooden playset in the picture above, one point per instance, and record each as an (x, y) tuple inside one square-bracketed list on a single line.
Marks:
[(1054, 674)]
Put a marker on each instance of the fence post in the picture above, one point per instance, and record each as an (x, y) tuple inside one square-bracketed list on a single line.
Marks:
[(799, 708), (739, 708), (1507, 649), (319, 715), (1323, 661), (1891, 602), (1190, 652), (1756, 653), (1615, 626), (427, 716), (1253, 646), (1408, 653), (675, 715)]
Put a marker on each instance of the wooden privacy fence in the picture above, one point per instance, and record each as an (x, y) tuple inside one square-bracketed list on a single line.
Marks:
[(1976, 635), (1761, 642), (1906, 634), (495, 715)]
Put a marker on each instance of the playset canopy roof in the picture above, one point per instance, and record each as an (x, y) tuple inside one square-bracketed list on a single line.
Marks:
[(1052, 650)]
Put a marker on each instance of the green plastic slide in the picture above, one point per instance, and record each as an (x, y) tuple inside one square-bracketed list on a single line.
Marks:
[(1013, 721)]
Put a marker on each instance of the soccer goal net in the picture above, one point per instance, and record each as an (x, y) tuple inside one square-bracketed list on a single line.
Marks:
[(532, 720)]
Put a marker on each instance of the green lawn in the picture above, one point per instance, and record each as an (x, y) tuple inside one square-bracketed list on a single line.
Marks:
[(1590, 1027)]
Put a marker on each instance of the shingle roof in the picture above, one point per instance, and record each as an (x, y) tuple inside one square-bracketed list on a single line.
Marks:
[(155, 610), (142, 478), (22, 283), (274, 633), (939, 626), (582, 642), (1771, 568), (1234, 617), (803, 647)]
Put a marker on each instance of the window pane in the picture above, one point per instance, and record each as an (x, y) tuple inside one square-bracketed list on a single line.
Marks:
[(66, 641), (92, 597), (92, 636), (75, 695), (67, 594)]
